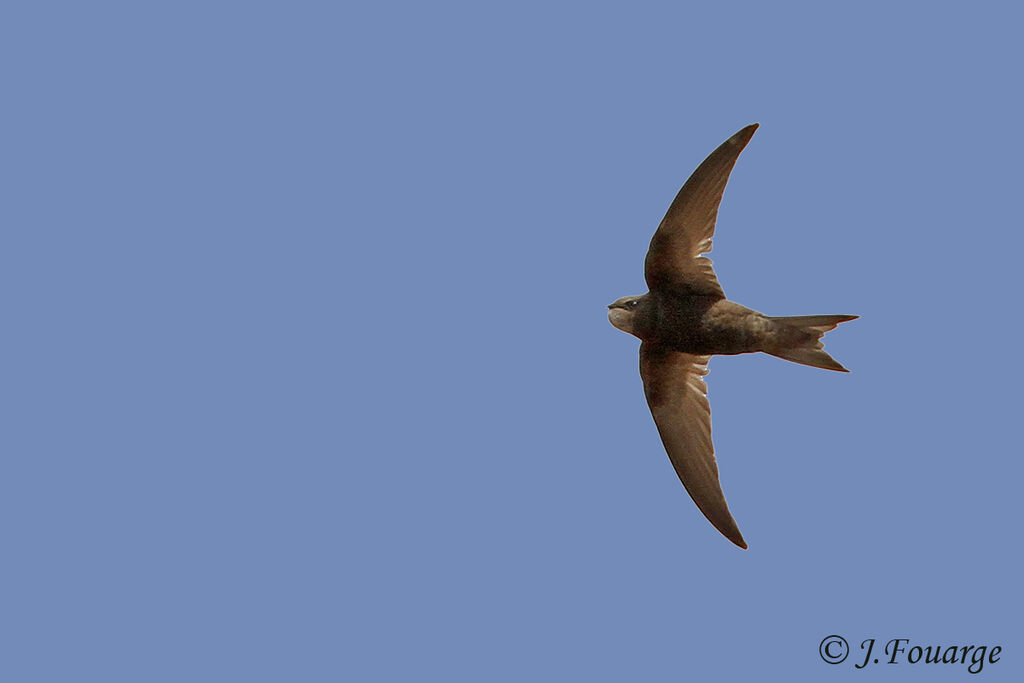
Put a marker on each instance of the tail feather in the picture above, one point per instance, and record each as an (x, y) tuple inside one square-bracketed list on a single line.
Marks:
[(802, 340), (821, 323), (816, 358)]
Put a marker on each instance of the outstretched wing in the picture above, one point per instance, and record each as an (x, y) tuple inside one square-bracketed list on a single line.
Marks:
[(677, 396), (674, 258)]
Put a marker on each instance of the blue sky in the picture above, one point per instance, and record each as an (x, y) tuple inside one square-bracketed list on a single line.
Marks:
[(310, 378)]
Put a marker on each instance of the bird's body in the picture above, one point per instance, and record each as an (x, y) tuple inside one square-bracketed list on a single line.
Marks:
[(702, 325), (685, 319)]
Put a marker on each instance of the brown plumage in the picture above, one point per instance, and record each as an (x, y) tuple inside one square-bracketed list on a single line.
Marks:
[(685, 319)]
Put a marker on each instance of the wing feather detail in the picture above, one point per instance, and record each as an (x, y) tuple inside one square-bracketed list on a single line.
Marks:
[(674, 258), (677, 396)]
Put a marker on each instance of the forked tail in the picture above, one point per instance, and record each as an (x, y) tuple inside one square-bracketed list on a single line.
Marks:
[(799, 339)]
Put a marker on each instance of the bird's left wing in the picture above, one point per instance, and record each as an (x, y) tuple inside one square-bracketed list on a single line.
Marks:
[(674, 259), (676, 393)]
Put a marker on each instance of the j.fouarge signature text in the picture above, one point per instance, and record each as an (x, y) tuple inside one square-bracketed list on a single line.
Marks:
[(900, 650)]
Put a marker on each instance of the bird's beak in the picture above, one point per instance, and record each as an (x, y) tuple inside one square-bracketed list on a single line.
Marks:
[(610, 306)]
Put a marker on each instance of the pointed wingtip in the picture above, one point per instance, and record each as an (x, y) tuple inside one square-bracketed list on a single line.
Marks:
[(734, 535), (742, 137), (731, 532)]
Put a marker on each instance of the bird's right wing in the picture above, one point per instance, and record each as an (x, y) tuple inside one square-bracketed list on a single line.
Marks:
[(677, 396), (674, 259)]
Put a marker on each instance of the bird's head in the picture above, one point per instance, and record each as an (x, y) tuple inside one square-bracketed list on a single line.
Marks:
[(622, 312)]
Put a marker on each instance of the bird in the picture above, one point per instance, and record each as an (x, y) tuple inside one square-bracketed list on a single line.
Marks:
[(685, 318)]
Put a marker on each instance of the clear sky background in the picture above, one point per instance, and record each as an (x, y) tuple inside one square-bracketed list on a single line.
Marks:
[(309, 378)]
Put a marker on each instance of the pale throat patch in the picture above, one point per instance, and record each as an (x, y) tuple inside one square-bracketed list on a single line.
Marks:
[(622, 319)]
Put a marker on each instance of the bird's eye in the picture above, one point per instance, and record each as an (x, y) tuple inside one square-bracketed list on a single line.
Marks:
[(633, 303)]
